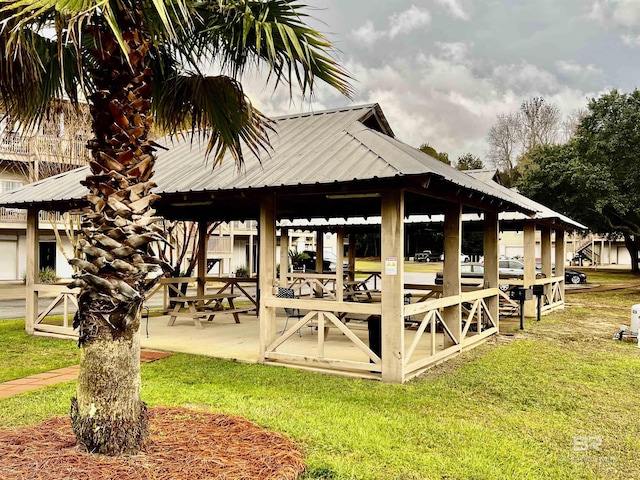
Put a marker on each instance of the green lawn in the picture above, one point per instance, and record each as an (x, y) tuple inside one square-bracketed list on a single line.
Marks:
[(521, 406)]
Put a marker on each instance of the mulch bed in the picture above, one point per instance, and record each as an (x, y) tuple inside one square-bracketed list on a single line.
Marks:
[(183, 444)]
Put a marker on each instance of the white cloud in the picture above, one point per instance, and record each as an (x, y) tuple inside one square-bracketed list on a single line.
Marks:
[(626, 12), (399, 23), (631, 40), (455, 8), (576, 71), (454, 51), (619, 14), (366, 34), (405, 22)]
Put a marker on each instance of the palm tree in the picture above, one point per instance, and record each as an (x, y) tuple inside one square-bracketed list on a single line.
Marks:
[(135, 61)]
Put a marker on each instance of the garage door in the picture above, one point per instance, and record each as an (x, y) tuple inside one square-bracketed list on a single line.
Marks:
[(8, 260)]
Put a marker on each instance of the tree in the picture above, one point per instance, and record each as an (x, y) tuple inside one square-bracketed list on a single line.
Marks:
[(539, 123), (468, 161), (503, 142), (429, 150), (594, 178), (513, 136), (133, 61)]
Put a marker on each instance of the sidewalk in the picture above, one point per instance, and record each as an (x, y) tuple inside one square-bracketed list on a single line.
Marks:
[(33, 382)]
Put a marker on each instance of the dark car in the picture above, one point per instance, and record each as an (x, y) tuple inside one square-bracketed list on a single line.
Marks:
[(328, 262), (574, 277), (571, 276)]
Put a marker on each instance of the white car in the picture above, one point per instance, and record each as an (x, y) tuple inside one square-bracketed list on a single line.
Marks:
[(463, 258)]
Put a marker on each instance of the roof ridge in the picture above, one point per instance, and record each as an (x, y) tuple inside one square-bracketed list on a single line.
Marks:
[(312, 113)]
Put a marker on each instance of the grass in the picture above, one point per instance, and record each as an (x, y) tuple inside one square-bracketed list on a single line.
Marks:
[(521, 406), (21, 356)]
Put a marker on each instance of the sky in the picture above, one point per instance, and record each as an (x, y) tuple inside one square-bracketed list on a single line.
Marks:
[(442, 70)]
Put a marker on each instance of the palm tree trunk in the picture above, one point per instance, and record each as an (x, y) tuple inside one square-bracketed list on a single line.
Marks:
[(108, 415)]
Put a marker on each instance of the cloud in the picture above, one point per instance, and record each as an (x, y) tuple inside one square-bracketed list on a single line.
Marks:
[(455, 9), (583, 73), (454, 51), (366, 34), (405, 22), (616, 14), (399, 23), (448, 100), (631, 40)]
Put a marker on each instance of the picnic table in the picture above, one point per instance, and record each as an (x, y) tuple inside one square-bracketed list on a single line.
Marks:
[(205, 307)]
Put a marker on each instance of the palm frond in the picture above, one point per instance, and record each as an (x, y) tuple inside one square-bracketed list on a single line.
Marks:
[(31, 74), (242, 33), (211, 107)]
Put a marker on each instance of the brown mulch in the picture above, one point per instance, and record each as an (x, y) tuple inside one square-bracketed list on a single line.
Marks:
[(184, 443)]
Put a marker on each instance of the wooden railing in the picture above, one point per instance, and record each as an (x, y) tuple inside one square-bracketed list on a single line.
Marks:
[(46, 148), (553, 297), (475, 322), (62, 295)]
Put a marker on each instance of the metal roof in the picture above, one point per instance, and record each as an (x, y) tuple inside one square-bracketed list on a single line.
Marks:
[(332, 147), (543, 212)]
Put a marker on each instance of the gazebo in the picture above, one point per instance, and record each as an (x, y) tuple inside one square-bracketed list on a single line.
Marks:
[(341, 163)]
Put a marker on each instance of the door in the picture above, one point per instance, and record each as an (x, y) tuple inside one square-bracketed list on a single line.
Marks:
[(8, 260), (47, 255)]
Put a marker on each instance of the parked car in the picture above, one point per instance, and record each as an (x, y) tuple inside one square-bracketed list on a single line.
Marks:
[(463, 258), (474, 271), (570, 275), (509, 268), (426, 256), (328, 261), (574, 277)]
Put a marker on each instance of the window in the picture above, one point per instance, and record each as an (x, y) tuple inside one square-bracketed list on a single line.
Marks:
[(8, 185)]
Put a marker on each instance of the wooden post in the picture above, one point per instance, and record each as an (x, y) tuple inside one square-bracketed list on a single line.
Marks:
[(250, 266), (491, 262), (319, 258), (529, 265), (284, 257), (392, 322), (451, 269), (545, 255), (352, 256), (560, 257), (266, 269), (340, 265), (202, 256), (31, 310)]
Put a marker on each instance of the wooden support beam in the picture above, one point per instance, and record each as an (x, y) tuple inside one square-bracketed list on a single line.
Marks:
[(392, 322), (319, 258), (491, 261), (202, 256), (250, 266), (352, 256), (529, 265), (284, 257), (451, 269), (560, 257), (266, 269), (340, 265), (545, 255), (32, 277)]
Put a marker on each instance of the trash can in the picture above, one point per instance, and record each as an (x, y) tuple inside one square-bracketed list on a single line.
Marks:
[(375, 334)]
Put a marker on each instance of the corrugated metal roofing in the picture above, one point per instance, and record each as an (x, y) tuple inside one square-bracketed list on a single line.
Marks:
[(326, 147), (542, 212)]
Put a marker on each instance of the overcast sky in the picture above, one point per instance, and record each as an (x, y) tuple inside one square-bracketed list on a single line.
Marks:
[(443, 69)]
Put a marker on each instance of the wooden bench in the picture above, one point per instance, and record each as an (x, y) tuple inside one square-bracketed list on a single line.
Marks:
[(206, 306)]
